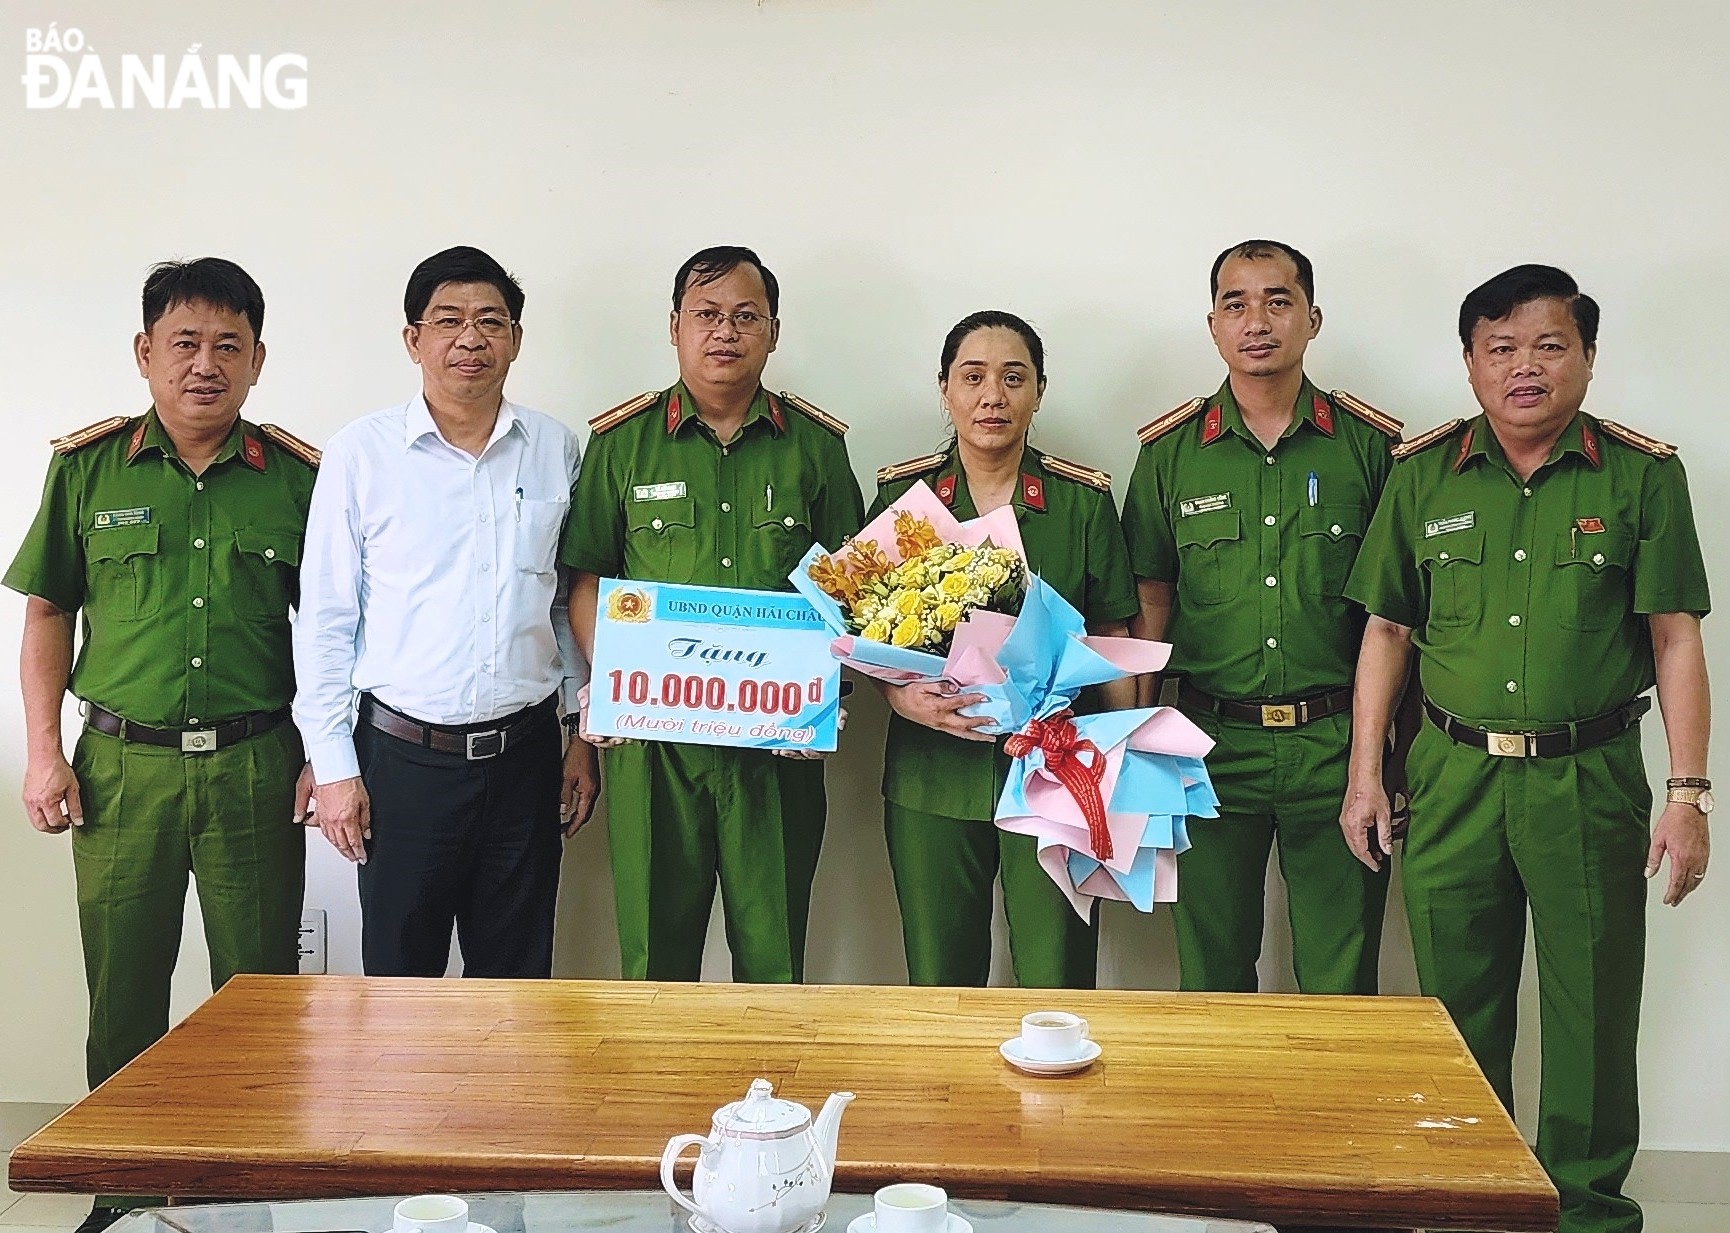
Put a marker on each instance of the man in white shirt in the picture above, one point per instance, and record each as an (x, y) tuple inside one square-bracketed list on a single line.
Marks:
[(430, 591)]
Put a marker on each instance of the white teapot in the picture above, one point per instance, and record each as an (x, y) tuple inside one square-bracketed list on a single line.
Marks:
[(765, 1166)]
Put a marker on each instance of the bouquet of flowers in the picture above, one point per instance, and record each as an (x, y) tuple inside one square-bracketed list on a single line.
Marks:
[(1106, 797)]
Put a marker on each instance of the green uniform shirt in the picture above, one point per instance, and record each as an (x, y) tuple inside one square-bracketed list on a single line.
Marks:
[(185, 581), (1258, 552), (1074, 542), (1526, 599), (659, 498)]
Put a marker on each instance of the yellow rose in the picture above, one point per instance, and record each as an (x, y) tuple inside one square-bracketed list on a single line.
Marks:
[(960, 560), (947, 616), (992, 575), (876, 631), (905, 603), (907, 632), (953, 586)]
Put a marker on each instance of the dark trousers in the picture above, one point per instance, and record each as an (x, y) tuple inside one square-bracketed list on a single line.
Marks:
[(474, 844)]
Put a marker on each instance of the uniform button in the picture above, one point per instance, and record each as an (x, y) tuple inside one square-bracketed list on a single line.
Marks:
[(198, 601), (1269, 460), (270, 554), (1272, 642), (1519, 554), (1271, 580), (1513, 688), (726, 562), (1514, 620), (201, 489), (726, 508), (192, 719), (657, 524), (788, 521), (1597, 558), (198, 543), (1270, 520), (1525, 492), (1335, 529), (197, 661), (1441, 556)]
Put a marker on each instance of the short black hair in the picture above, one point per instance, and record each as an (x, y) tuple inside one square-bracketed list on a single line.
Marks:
[(988, 319), (1497, 299), (1255, 250), (210, 280), (461, 264), (714, 264)]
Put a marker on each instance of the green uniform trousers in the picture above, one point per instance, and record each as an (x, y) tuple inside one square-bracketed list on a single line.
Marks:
[(678, 816), (944, 868), (151, 817), (1567, 837), (1281, 786)]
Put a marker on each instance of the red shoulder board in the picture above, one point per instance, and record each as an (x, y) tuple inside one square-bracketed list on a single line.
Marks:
[(1153, 430), (946, 490), (1381, 421), (1033, 492), (1589, 443), (252, 450), (292, 445), (1212, 425), (1424, 440), (838, 427), (618, 415), (1637, 440), (1323, 414)]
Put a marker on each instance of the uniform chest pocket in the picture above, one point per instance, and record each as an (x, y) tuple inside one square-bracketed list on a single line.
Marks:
[(780, 534), (1331, 536), (1210, 552), (266, 566), (1592, 590), (661, 539), (1454, 564), (125, 573), (536, 546)]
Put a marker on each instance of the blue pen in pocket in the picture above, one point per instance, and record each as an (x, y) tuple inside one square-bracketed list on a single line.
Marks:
[(1312, 488)]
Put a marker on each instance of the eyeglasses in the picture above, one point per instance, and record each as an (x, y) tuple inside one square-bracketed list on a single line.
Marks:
[(744, 321), (487, 325)]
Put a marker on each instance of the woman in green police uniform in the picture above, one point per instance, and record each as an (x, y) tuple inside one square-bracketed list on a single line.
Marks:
[(942, 777)]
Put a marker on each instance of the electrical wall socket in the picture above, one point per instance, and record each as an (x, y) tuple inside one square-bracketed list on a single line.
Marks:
[(312, 938)]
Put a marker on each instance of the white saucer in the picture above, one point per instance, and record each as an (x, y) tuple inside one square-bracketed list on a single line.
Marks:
[(476, 1226), (868, 1224), (1011, 1051), (698, 1225)]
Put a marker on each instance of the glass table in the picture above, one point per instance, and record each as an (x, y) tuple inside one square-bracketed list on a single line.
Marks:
[(628, 1211)]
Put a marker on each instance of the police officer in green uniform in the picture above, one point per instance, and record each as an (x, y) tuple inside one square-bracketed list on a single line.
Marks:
[(1545, 566), (715, 482), (941, 777), (1243, 516), (177, 534)]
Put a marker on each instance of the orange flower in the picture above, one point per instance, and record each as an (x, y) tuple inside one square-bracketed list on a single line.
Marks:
[(867, 561), (913, 534), (833, 577)]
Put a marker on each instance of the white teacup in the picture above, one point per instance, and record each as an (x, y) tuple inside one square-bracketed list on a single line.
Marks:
[(910, 1207), (432, 1213), (1052, 1035)]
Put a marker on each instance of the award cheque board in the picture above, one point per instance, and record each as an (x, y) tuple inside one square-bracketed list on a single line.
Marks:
[(712, 666)]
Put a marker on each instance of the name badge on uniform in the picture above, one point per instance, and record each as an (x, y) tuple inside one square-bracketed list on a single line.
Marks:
[(658, 492), (1459, 522), (1204, 505), (106, 518)]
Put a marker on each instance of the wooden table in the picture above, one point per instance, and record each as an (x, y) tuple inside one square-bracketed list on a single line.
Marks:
[(1295, 1110)]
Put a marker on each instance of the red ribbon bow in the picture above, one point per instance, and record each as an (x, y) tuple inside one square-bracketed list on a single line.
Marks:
[(1075, 763)]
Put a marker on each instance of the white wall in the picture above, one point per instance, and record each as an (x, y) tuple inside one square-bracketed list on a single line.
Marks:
[(899, 164)]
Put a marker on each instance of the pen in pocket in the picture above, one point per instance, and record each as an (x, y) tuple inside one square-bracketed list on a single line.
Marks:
[(1312, 488)]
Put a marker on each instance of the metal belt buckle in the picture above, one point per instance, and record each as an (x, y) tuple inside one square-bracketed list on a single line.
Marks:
[(1510, 744), (203, 741), (480, 749), (1279, 716)]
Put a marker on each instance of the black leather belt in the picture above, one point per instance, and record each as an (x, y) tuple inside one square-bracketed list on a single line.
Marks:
[(475, 743), (186, 740), (1271, 712), (1548, 743)]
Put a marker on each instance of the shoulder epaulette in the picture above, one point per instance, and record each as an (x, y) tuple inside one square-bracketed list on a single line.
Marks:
[(624, 411), (1091, 476), (1638, 440), (838, 427), (913, 466), (72, 442), (292, 445), (1155, 429), (1424, 440), (1381, 421)]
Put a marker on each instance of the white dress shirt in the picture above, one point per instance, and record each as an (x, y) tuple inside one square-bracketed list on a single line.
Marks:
[(430, 578)]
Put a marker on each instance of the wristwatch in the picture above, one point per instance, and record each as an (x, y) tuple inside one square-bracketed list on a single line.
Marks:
[(572, 722), (1691, 791)]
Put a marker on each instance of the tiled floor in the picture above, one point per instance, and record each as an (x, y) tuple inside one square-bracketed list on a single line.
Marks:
[(52, 1213)]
